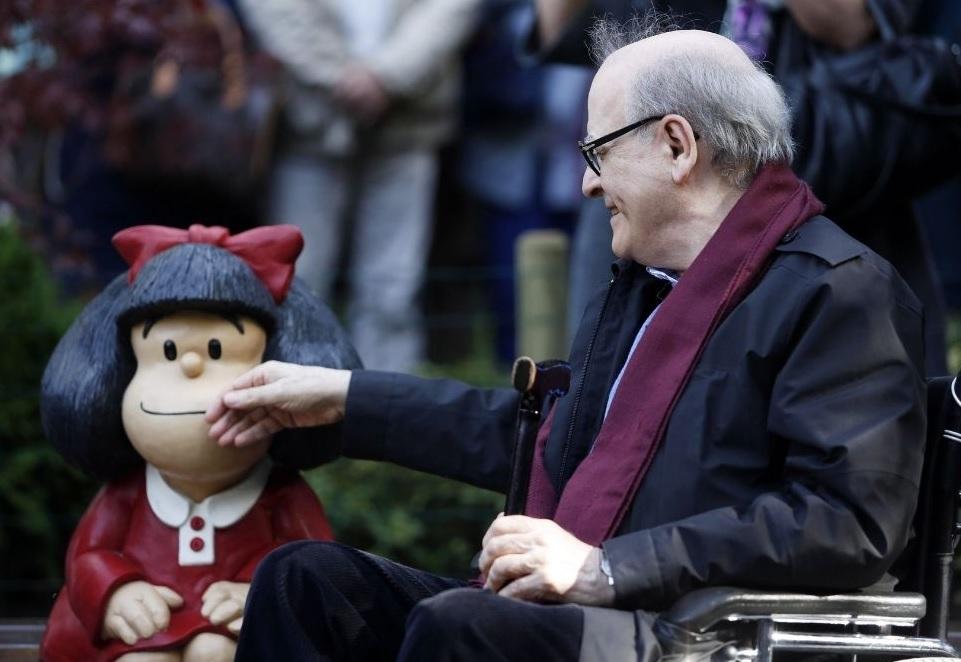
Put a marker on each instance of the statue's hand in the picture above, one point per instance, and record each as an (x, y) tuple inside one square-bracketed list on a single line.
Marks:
[(138, 610), (223, 602)]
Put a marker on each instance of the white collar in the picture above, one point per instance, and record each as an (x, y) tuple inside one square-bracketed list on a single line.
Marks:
[(664, 274), (224, 508)]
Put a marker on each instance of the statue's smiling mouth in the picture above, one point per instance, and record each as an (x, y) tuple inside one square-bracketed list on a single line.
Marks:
[(170, 413)]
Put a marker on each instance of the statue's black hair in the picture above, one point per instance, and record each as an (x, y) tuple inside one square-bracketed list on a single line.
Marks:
[(85, 379)]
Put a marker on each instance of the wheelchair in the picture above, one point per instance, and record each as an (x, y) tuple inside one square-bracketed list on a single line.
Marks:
[(737, 625), (728, 624)]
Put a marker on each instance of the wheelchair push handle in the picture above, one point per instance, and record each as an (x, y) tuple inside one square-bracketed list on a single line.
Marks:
[(942, 513), (536, 382)]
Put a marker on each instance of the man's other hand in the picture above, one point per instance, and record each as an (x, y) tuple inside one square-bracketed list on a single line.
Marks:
[(274, 396), (538, 561)]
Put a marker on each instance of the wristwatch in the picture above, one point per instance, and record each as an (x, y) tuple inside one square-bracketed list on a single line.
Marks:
[(606, 568)]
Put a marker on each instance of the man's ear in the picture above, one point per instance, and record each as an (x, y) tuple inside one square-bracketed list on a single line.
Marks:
[(683, 144)]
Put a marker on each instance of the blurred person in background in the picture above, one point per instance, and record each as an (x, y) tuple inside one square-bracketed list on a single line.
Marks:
[(83, 114), (778, 34), (518, 162), (373, 93), (940, 210)]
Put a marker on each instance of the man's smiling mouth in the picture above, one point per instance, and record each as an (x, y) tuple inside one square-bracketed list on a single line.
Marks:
[(169, 413)]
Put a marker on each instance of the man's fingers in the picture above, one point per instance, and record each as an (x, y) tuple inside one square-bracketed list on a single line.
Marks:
[(489, 532), (528, 588), (258, 432), (254, 396), (171, 597), (119, 627), (257, 376), (224, 423), (244, 423), (508, 543), (216, 411), (508, 568), (509, 524), (227, 610)]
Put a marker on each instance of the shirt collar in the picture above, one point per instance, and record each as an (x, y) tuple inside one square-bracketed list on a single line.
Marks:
[(224, 508), (664, 274)]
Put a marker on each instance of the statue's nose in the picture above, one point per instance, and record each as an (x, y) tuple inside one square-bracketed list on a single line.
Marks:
[(192, 364)]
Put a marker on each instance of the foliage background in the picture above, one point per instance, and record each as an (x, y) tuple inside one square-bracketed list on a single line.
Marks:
[(40, 496)]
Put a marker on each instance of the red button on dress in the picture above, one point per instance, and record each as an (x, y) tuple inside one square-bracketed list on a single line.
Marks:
[(196, 523), (196, 544)]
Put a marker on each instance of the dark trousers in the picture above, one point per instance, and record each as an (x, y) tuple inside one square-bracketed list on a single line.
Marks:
[(326, 601)]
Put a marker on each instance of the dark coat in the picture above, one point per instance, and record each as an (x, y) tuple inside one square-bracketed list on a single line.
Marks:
[(791, 460)]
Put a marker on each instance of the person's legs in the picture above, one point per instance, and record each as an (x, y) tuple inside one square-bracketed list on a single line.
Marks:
[(388, 258), (473, 624), (312, 192), (325, 601)]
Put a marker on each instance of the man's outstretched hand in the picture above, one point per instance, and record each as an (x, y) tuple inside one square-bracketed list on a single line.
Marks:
[(274, 396), (538, 561)]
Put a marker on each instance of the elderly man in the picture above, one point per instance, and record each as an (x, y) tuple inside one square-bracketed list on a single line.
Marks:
[(747, 405)]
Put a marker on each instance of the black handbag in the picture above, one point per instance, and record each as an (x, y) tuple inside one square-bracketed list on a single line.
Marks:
[(884, 120), (198, 128)]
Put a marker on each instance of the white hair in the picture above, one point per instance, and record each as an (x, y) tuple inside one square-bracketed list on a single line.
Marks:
[(740, 112)]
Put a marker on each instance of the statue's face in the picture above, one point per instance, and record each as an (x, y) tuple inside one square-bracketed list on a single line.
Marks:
[(184, 361)]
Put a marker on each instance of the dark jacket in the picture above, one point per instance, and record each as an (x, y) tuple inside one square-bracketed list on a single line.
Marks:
[(791, 460)]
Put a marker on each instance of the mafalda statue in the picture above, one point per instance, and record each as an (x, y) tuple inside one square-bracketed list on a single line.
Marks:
[(163, 557)]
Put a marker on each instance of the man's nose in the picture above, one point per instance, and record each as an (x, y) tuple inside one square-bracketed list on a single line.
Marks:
[(591, 184), (192, 364)]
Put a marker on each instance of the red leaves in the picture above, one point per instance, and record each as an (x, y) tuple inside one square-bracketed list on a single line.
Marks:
[(81, 61)]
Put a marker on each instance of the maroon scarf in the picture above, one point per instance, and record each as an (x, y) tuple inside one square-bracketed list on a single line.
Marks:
[(598, 495)]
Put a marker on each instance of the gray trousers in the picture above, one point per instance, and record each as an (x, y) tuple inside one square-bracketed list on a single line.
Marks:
[(382, 203)]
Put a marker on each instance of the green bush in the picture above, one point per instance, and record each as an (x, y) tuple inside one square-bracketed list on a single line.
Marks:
[(41, 497), (410, 517)]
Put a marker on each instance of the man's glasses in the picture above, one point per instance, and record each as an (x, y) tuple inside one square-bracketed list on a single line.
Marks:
[(589, 148)]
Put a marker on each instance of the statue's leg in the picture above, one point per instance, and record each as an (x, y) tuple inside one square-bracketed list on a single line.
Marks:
[(210, 647), (152, 656)]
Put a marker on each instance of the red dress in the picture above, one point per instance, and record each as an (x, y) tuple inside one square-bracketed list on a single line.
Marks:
[(120, 539)]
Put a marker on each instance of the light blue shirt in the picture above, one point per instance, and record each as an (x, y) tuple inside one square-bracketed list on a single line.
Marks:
[(663, 274)]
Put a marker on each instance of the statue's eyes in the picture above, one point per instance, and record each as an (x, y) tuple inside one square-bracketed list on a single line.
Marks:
[(170, 350), (214, 349)]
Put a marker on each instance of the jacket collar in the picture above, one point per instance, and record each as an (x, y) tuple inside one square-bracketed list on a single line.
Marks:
[(224, 508)]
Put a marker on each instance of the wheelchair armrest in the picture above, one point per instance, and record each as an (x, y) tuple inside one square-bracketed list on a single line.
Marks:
[(702, 609)]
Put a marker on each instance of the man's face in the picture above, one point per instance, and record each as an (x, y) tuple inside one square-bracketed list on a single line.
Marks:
[(184, 361), (633, 183)]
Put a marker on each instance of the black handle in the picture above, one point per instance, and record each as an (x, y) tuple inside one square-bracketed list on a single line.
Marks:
[(535, 382)]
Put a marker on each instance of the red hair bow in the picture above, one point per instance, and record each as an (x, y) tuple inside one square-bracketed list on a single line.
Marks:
[(269, 251)]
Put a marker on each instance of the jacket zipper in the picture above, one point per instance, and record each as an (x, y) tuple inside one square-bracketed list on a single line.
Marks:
[(580, 386)]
